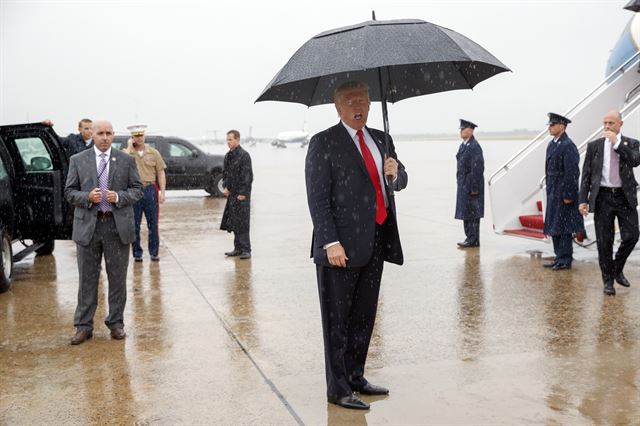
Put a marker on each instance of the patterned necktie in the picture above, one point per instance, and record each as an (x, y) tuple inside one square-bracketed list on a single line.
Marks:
[(103, 180), (614, 168), (381, 211)]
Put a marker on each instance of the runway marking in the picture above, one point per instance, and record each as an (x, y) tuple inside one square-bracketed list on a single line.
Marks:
[(230, 332)]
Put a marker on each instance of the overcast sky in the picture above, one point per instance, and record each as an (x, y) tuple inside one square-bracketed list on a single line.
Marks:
[(190, 68)]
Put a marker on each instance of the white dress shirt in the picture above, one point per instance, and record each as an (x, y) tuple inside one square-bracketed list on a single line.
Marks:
[(606, 161), (377, 158), (375, 152)]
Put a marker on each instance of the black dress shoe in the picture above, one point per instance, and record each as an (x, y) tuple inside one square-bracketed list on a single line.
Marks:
[(232, 253), (550, 264), (370, 389), (118, 333), (350, 401), (467, 244), (608, 289), (622, 280), (560, 266), (81, 336)]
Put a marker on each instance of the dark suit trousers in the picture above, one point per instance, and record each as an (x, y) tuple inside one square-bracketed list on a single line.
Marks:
[(472, 231), (242, 242), (610, 205), (563, 248), (348, 304), (105, 241)]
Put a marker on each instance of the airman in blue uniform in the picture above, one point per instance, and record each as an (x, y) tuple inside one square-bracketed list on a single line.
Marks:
[(470, 180), (562, 172)]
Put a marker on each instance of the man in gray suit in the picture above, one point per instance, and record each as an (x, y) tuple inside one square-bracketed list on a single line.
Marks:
[(103, 184)]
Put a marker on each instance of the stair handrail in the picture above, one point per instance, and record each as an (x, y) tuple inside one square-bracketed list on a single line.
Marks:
[(632, 93), (620, 70)]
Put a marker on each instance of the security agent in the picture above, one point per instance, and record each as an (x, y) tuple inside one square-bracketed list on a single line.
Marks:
[(608, 188), (470, 183)]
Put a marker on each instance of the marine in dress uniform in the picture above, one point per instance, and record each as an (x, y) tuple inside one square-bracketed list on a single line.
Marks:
[(151, 168), (470, 183)]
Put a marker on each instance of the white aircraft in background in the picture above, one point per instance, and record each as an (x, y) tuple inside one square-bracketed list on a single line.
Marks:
[(291, 137)]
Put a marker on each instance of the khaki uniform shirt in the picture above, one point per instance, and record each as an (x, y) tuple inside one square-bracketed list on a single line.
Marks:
[(150, 163)]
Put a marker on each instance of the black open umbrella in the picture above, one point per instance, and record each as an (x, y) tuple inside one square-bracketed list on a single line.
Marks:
[(398, 59), (633, 5)]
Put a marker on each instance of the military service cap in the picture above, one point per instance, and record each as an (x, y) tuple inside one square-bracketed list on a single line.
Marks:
[(557, 119)]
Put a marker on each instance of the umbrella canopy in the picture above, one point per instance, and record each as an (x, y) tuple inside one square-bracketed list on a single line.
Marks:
[(633, 5), (398, 59)]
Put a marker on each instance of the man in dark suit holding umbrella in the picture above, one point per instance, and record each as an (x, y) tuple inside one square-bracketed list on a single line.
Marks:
[(470, 180), (562, 172), (354, 231), (608, 188)]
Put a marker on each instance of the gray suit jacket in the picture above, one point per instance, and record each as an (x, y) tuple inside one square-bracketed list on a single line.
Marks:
[(83, 178)]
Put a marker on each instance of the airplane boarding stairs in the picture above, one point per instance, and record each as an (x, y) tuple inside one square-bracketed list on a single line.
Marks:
[(517, 189)]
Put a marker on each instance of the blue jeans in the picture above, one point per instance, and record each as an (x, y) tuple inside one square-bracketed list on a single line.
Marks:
[(149, 205)]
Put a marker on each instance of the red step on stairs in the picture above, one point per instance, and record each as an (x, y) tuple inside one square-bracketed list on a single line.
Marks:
[(533, 225)]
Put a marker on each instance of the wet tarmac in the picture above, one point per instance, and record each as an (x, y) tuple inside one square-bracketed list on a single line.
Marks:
[(482, 336)]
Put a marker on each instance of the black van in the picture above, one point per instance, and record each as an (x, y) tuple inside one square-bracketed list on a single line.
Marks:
[(188, 167), (33, 171)]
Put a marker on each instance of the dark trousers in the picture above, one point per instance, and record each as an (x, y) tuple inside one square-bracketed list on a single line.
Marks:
[(348, 304), (106, 241), (148, 205), (563, 248), (472, 231), (611, 205), (241, 242)]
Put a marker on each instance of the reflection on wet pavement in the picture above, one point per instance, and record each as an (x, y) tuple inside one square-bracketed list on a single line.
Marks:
[(462, 336)]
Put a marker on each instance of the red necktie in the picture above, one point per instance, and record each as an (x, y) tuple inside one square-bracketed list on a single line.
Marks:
[(381, 211)]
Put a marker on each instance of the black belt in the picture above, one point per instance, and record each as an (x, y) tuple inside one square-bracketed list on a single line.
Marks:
[(611, 189), (102, 215)]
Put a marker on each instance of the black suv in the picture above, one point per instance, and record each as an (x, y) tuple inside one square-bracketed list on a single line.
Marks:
[(188, 167), (33, 171)]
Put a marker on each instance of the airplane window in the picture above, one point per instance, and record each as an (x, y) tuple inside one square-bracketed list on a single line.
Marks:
[(34, 153)]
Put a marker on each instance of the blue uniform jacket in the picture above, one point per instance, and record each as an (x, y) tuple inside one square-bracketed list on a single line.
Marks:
[(562, 172), (470, 178)]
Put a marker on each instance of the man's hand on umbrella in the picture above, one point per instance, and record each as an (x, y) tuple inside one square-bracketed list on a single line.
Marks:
[(390, 167), (337, 256)]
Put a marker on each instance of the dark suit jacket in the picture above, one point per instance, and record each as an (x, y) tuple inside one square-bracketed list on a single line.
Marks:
[(629, 152), (74, 144), (83, 178), (341, 198)]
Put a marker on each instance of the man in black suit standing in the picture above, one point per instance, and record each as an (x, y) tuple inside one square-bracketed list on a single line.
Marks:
[(354, 231), (608, 188)]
